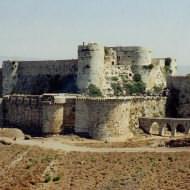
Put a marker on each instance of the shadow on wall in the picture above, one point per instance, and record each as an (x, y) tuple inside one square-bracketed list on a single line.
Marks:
[(46, 84), (172, 103)]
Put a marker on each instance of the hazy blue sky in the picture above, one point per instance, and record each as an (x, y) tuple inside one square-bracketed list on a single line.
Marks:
[(54, 28)]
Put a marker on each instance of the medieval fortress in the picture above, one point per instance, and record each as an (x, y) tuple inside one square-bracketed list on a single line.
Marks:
[(107, 93), (106, 66)]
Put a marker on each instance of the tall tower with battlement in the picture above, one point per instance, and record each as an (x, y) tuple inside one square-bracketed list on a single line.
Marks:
[(90, 66)]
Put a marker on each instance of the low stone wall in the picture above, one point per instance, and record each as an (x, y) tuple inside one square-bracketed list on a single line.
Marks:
[(38, 115), (113, 118), (23, 112)]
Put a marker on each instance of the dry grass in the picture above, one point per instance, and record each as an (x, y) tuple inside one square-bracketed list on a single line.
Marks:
[(24, 168), (127, 144)]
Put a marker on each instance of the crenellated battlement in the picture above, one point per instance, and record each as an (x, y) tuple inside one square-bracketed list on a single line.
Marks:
[(112, 99)]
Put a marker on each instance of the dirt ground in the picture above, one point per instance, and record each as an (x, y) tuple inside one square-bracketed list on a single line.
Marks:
[(30, 167), (143, 141)]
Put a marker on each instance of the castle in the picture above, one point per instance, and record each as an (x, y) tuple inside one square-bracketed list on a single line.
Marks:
[(108, 68), (102, 94)]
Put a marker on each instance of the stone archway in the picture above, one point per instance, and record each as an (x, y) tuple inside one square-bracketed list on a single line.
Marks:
[(168, 129)]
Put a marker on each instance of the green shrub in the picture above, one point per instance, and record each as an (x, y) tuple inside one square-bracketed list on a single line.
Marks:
[(134, 87), (168, 70), (57, 178), (150, 67), (124, 78), (157, 89), (94, 91), (47, 179), (114, 79), (137, 77), (117, 89)]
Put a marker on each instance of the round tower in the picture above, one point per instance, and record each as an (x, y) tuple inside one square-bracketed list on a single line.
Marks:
[(90, 66), (142, 56), (133, 55)]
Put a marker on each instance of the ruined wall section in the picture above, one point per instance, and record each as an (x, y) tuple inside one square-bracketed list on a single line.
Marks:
[(114, 72), (111, 118), (155, 75), (122, 63), (37, 77)]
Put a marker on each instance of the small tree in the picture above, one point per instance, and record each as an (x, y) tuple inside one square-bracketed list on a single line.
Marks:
[(137, 77), (114, 78), (94, 91), (134, 87), (117, 89), (157, 89), (139, 87)]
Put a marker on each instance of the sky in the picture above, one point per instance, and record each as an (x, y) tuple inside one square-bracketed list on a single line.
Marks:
[(52, 29)]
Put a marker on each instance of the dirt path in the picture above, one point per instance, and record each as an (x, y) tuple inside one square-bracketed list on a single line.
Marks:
[(54, 145)]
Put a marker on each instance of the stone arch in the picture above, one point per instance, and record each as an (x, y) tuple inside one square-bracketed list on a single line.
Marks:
[(180, 128), (168, 126), (168, 129), (154, 128)]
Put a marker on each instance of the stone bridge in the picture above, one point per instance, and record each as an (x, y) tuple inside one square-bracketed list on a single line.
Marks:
[(165, 126)]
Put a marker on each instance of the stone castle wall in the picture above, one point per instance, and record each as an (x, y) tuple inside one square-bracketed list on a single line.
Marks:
[(179, 99), (155, 75), (133, 55), (113, 118), (106, 67), (37, 77), (39, 115), (100, 118), (23, 113)]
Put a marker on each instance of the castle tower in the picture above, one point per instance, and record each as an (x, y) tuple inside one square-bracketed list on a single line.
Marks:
[(133, 55), (90, 66)]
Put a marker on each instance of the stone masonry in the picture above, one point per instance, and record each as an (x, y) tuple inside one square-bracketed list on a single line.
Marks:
[(38, 77), (161, 126), (96, 64), (115, 118), (33, 99), (46, 114)]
